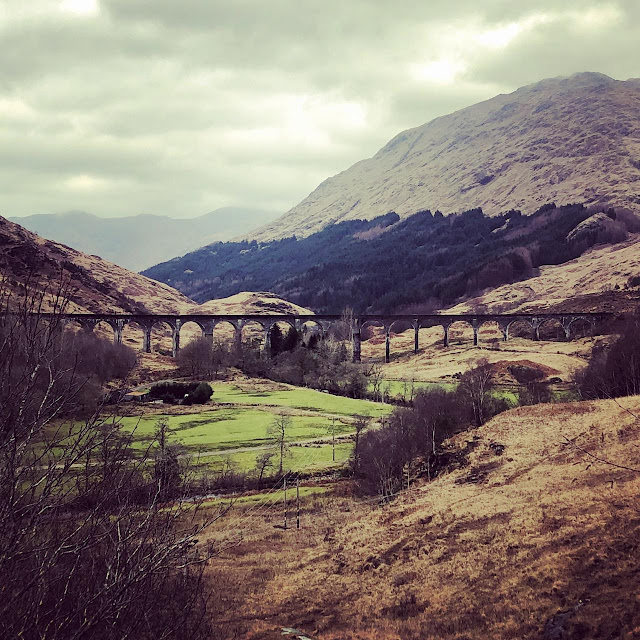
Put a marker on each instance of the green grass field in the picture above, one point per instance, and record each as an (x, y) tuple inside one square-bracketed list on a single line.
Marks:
[(297, 398), (229, 428), (239, 419), (303, 458)]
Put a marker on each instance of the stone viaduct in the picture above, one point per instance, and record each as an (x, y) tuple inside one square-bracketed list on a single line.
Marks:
[(323, 323)]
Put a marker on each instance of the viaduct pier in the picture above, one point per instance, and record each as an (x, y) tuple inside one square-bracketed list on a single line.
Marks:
[(323, 323)]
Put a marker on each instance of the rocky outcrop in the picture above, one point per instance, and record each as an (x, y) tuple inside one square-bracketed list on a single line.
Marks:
[(597, 229)]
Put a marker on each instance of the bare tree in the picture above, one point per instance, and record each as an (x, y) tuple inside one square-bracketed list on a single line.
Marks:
[(475, 385), (263, 462), (375, 375), (347, 318), (278, 431), (361, 424), (87, 547)]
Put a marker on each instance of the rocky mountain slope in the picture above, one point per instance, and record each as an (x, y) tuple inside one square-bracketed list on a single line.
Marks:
[(100, 286), (96, 285), (138, 242), (565, 140)]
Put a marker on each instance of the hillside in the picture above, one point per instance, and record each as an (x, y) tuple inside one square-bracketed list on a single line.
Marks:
[(138, 242), (101, 286), (522, 536), (96, 285), (422, 262), (257, 302), (573, 139), (604, 278)]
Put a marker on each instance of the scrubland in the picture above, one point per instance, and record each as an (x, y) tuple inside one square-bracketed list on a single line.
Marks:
[(435, 362), (527, 534)]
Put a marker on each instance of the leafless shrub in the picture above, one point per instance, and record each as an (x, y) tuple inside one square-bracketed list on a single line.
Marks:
[(203, 357), (89, 548), (475, 385)]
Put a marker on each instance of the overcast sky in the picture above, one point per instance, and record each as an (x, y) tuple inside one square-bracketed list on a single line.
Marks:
[(179, 107)]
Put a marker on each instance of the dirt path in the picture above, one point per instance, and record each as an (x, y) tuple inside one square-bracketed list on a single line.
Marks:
[(261, 447)]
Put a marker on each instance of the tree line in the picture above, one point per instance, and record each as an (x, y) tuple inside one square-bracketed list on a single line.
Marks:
[(388, 264)]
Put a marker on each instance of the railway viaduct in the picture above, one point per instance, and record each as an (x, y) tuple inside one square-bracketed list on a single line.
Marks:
[(324, 323)]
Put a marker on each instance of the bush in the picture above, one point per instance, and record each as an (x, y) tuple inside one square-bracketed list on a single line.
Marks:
[(181, 392), (201, 394), (615, 372)]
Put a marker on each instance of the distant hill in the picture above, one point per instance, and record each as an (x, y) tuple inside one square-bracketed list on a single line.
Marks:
[(573, 139), (257, 302), (101, 286), (421, 262), (138, 242), (97, 285)]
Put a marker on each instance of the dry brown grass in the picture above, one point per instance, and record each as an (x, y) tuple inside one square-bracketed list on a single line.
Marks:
[(435, 362), (502, 548), (597, 271)]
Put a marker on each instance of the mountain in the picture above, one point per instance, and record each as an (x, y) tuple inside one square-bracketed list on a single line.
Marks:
[(137, 242), (574, 139), (100, 286), (96, 285), (421, 262)]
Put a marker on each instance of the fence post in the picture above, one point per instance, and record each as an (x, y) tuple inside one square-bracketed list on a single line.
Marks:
[(285, 502)]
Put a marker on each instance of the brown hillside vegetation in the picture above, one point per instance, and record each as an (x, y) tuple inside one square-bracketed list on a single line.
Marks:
[(434, 362), (96, 285), (589, 280), (526, 537)]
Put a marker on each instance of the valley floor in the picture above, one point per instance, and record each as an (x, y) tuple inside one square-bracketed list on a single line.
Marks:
[(534, 538)]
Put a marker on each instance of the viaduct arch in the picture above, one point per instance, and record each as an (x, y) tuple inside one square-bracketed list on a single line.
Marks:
[(207, 324)]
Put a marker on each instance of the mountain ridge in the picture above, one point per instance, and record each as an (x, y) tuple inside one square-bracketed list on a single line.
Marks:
[(140, 241), (549, 141)]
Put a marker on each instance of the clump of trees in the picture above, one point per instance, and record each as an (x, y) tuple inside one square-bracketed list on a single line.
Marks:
[(204, 358), (615, 371), (385, 459), (327, 367), (181, 392), (95, 542)]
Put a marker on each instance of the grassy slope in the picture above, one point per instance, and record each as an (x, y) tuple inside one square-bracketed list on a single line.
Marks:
[(502, 548), (242, 416), (436, 363)]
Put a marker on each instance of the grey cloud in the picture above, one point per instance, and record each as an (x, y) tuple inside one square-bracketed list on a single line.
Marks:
[(183, 107)]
